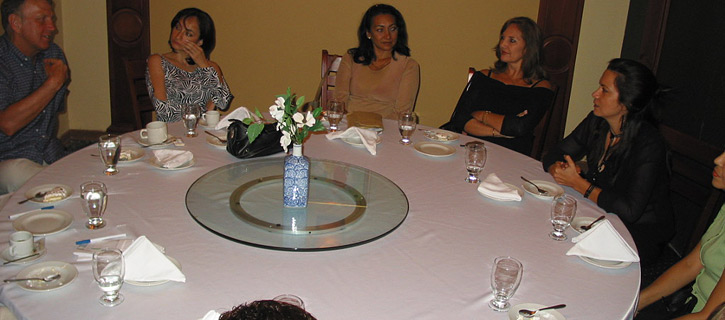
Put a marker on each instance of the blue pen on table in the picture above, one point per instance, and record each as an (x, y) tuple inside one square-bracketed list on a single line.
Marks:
[(94, 240), (13, 216)]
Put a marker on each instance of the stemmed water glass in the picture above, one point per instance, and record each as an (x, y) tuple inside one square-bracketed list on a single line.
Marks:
[(108, 270), (406, 123), (109, 147), (191, 114), (475, 160), (505, 279), (335, 110), (563, 210), (94, 198)]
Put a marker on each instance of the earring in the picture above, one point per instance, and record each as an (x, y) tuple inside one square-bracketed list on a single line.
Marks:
[(369, 37)]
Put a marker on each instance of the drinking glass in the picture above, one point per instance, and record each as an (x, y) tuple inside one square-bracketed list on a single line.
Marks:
[(108, 270), (335, 110), (406, 123), (475, 160), (290, 299), (505, 279), (110, 148), (190, 115), (94, 198), (563, 210)]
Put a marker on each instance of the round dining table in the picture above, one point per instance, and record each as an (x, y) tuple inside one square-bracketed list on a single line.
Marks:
[(435, 264)]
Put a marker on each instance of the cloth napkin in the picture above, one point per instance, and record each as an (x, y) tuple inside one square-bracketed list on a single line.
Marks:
[(211, 315), (493, 187), (369, 138), (85, 253), (144, 262), (238, 113), (603, 242), (172, 158)]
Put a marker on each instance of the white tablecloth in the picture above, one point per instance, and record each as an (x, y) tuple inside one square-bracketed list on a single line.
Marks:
[(436, 265)]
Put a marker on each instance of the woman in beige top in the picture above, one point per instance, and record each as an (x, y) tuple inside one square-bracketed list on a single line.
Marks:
[(379, 75)]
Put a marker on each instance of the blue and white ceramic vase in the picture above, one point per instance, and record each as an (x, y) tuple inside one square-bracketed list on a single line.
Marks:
[(296, 179)]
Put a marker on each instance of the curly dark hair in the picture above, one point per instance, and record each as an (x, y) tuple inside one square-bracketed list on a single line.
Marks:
[(365, 53), (534, 39), (266, 310)]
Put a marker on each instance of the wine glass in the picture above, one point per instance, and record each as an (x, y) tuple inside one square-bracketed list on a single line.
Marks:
[(109, 147), (94, 198), (335, 110), (191, 114), (290, 299), (406, 123), (563, 210), (475, 160), (505, 279), (108, 270)]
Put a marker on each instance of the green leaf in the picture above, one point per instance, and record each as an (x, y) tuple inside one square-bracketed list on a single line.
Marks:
[(254, 130), (317, 112), (259, 114), (300, 101), (247, 121), (317, 127)]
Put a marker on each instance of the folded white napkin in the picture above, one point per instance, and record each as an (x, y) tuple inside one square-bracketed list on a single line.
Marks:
[(238, 113), (144, 262), (85, 253), (172, 158), (369, 138), (493, 187), (603, 242), (211, 315)]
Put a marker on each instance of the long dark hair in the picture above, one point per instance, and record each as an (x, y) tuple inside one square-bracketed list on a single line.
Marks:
[(365, 53), (207, 32), (534, 40)]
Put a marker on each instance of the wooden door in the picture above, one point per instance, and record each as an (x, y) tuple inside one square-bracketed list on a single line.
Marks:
[(128, 38)]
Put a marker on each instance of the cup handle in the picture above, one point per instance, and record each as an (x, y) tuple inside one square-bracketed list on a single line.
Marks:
[(203, 116), (144, 134), (11, 250)]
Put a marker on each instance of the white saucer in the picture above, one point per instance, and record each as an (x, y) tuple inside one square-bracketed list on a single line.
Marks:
[(357, 141), (542, 315), (215, 142), (521, 193), (578, 222), (440, 135), (434, 149), (130, 154), (552, 188), (67, 272), (44, 222), (145, 142), (5, 255), (45, 188), (606, 264), (204, 125), (153, 283), (153, 161)]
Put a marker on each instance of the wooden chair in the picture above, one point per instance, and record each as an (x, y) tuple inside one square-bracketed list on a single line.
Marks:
[(695, 201), (330, 64), (143, 108)]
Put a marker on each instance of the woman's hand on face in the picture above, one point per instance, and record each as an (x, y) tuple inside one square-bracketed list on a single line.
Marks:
[(565, 173), (196, 53)]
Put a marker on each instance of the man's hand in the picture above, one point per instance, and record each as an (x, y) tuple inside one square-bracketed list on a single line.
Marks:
[(56, 71)]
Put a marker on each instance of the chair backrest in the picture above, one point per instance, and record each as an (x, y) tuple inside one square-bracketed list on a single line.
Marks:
[(541, 132), (330, 64), (143, 108), (694, 200)]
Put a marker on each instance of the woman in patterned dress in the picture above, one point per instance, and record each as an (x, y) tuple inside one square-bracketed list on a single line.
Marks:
[(185, 75)]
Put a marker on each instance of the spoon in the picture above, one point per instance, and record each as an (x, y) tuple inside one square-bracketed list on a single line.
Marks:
[(215, 136), (36, 196), (163, 142), (44, 279), (541, 191), (530, 313), (589, 226)]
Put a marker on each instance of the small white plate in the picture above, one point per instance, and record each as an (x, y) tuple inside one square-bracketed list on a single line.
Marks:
[(67, 272), (145, 142), (154, 162), (215, 142), (130, 154), (434, 149), (606, 264), (521, 193), (153, 283), (542, 315), (357, 141), (440, 135), (44, 222), (7, 257), (552, 188), (45, 188), (204, 125), (578, 222)]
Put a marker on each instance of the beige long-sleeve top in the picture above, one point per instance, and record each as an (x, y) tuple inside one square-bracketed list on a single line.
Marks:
[(386, 91)]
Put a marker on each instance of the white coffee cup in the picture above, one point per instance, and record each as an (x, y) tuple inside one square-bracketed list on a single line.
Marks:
[(155, 132), (21, 244), (211, 117)]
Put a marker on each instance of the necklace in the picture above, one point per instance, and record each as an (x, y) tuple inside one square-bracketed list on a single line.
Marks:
[(608, 151)]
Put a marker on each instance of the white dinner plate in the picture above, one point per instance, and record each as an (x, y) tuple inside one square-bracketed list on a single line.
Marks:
[(145, 142), (154, 162), (37, 249), (67, 272), (357, 141), (434, 149), (45, 188), (44, 222), (215, 142), (521, 193), (552, 188), (578, 222), (607, 264), (153, 283), (130, 154), (542, 315), (440, 135)]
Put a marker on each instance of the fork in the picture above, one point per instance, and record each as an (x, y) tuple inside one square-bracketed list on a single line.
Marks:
[(36, 196), (215, 136)]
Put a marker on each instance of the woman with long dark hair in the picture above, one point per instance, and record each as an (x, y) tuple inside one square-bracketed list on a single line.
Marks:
[(626, 156), (186, 76), (379, 75)]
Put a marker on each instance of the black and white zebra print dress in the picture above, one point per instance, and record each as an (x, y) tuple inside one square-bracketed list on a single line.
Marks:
[(185, 88)]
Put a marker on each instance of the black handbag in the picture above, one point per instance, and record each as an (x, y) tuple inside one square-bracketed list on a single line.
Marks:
[(265, 144), (681, 302)]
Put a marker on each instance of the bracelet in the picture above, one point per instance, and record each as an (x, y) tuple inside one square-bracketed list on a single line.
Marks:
[(589, 191)]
